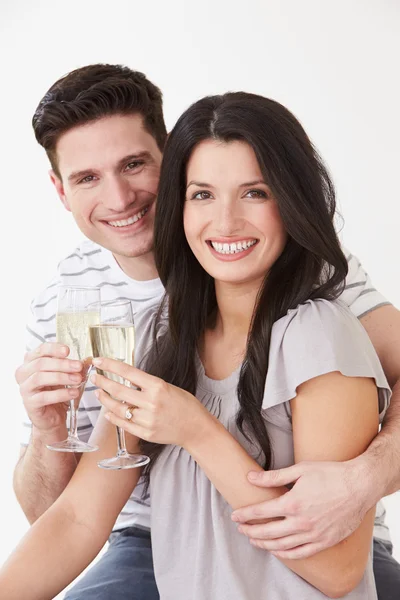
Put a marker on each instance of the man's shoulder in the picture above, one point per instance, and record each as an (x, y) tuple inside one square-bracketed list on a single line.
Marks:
[(86, 255), (81, 260)]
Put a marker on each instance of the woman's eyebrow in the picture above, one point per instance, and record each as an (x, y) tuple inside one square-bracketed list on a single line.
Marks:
[(199, 184), (247, 184), (250, 183)]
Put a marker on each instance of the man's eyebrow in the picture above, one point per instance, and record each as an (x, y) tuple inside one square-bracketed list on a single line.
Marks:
[(79, 174), (142, 155), (248, 184)]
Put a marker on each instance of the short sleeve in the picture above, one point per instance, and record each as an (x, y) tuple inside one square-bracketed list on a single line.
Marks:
[(316, 338), (359, 293)]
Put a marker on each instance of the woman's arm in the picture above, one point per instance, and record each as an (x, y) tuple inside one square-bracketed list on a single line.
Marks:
[(69, 535), (334, 418), (332, 497)]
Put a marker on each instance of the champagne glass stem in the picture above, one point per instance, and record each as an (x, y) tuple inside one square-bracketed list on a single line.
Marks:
[(122, 451), (73, 421)]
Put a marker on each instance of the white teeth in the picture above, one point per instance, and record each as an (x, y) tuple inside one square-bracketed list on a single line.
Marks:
[(232, 248), (129, 221)]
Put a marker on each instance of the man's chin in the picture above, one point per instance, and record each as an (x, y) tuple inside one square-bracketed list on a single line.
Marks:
[(134, 252), (128, 247)]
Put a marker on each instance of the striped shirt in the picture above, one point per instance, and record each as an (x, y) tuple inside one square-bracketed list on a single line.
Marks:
[(94, 266)]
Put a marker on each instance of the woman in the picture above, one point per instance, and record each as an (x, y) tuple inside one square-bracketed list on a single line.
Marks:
[(258, 366)]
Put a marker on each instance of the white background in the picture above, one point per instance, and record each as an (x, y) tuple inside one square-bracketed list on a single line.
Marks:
[(335, 64)]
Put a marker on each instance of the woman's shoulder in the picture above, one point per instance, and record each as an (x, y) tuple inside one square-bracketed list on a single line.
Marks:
[(319, 324), (319, 331), (318, 312), (315, 338)]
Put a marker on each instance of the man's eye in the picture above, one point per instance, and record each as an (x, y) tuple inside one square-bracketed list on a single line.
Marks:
[(87, 179), (257, 194), (201, 196), (133, 165)]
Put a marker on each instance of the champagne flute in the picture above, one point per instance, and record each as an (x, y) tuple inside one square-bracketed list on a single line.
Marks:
[(114, 338), (77, 308)]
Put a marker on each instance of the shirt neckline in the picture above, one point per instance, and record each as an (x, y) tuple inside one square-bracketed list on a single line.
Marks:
[(217, 386), (146, 287)]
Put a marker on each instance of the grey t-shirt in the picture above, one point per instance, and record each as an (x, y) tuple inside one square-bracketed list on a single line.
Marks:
[(198, 552)]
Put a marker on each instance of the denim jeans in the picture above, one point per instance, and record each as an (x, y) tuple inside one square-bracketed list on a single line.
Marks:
[(124, 572), (386, 571)]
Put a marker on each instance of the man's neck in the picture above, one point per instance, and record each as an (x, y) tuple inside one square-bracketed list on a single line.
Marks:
[(140, 268)]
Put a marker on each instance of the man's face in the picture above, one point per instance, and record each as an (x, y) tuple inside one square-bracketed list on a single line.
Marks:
[(109, 178)]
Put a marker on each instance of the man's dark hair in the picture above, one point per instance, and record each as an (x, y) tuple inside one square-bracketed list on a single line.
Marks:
[(93, 92)]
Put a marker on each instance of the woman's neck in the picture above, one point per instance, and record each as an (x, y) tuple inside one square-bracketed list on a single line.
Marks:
[(224, 345), (235, 308)]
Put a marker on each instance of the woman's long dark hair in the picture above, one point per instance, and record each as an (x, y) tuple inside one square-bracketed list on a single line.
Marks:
[(311, 265)]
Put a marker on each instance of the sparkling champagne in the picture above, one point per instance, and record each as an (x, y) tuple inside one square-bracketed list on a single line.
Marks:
[(73, 331), (113, 341)]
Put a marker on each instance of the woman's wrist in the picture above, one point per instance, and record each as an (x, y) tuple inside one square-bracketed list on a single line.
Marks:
[(205, 428)]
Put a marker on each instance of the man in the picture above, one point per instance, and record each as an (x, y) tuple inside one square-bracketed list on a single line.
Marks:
[(106, 173), (103, 130)]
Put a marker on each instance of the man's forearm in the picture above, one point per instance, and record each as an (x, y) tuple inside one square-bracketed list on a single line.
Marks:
[(381, 461), (41, 475)]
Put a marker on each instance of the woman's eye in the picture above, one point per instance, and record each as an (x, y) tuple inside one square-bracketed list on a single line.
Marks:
[(201, 196), (257, 194)]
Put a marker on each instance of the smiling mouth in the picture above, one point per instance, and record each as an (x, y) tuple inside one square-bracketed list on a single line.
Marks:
[(130, 221), (234, 248)]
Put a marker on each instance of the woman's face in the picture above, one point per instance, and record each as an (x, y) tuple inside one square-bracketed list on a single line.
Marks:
[(231, 220)]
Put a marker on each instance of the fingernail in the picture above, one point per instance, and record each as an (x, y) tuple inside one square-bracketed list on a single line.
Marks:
[(76, 366), (73, 392), (75, 378), (240, 529), (235, 518), (107, 416), (93, 378), (97, 361), (97, 393), (64, 350), (253, 475)]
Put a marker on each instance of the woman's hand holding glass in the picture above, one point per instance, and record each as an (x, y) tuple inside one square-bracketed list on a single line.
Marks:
[(161, 412)]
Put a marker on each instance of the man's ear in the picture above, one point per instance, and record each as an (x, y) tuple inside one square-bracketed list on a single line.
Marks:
[(58, 184)]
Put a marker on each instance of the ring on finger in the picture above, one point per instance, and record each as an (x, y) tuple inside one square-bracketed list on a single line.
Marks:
[(129, 413)]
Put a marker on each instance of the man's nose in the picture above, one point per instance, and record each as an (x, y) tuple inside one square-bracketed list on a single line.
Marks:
[(118, 195)]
